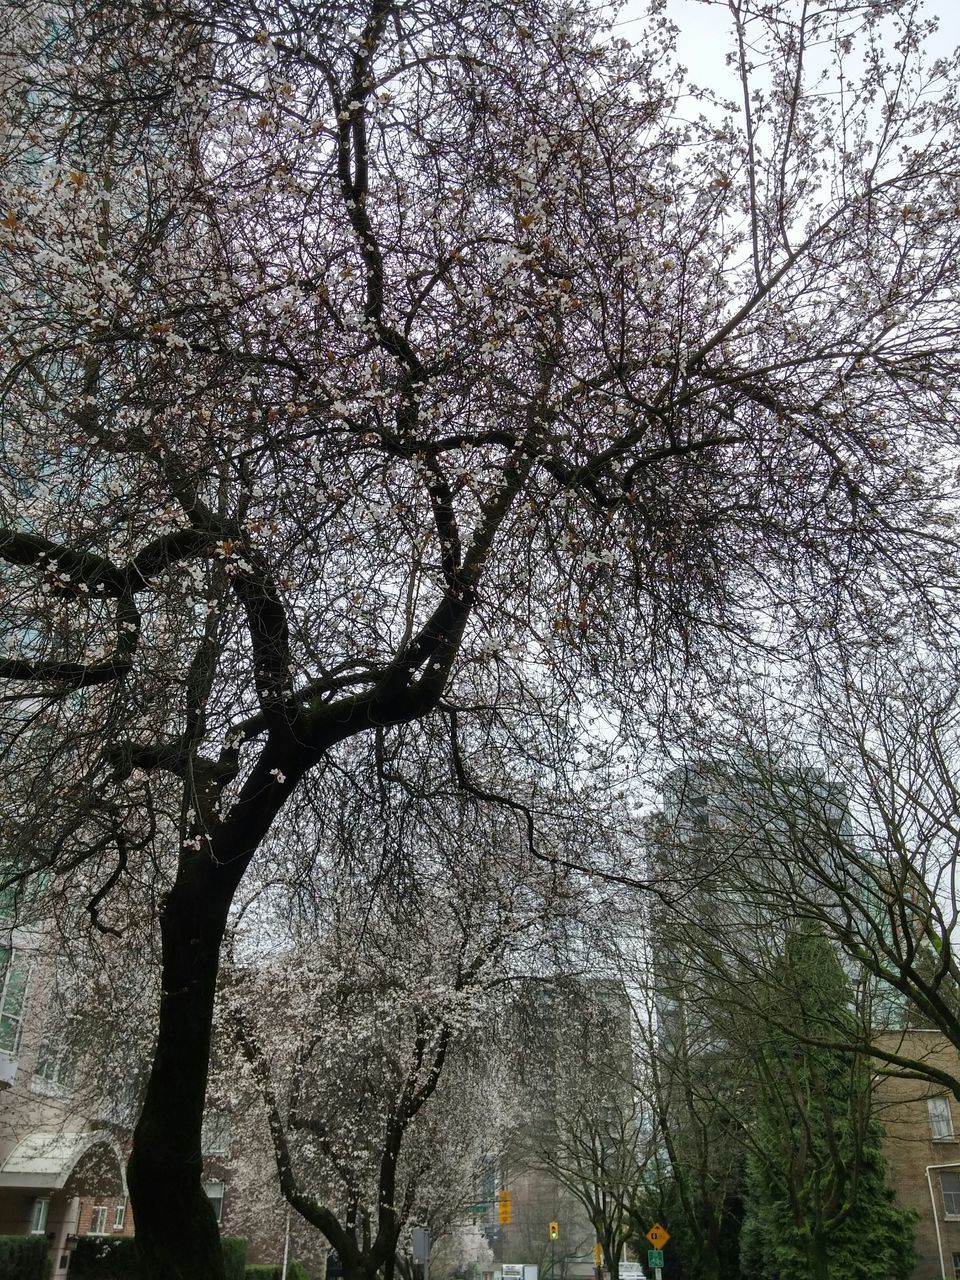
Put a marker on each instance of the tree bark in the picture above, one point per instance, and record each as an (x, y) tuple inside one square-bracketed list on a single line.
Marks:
[(176, 1229)]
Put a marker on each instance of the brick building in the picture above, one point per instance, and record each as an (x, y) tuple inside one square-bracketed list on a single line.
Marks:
[(922, 1144), (63, 1148)]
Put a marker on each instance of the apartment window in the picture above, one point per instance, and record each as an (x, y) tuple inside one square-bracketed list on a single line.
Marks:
[(950, 1190), (956, 1266), (38, 1223), (941, 1122), (215, 1135), (214, 1192), (15, 971), (120, 1214), (55, 1066), (98, 1220), (699, 812)]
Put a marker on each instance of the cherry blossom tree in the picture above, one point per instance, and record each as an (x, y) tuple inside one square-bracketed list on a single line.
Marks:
[(381, 372), (368, 1038)]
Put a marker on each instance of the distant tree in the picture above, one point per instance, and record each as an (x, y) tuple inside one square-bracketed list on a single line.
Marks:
[(584, 1123), (378, 365), (695, 1083), (367, 1031), (840, 808), (767, 1143)]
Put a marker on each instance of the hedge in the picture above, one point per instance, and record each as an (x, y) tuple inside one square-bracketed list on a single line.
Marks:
[(234, 1257), (106, 1258), (24, 1258), (263, 1271), (272, 1270)]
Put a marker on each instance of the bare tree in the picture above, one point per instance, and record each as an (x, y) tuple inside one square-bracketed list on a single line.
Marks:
[(374, 365), (841, 809), (585, 1126)]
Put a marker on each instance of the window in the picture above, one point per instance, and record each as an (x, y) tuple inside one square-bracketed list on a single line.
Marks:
[(15, 971), (98, 1220), (215, 1135), (956, 1266), (38, 1224), (950, 1190), (214, 1192), (941, 1122), (120, 1214), (699, 812), (55, 1066)]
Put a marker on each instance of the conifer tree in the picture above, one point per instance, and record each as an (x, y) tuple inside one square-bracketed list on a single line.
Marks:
[(818, 1202)]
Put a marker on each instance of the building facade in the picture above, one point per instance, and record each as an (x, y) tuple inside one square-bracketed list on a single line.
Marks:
[(63, 1142), (922, 1146)]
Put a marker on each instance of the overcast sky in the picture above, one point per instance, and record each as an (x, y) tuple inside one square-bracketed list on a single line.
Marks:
[(705, 33)]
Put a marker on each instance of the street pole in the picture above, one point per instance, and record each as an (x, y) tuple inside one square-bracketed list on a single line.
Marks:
[(286, 1247)]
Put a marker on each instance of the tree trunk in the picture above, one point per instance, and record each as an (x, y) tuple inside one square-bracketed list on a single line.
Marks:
[(819, 1256), (176, 1229)]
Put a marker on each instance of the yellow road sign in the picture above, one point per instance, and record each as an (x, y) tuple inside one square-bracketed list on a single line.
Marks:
[(658, 1236)]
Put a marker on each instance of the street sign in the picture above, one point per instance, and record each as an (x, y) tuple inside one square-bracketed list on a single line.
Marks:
[(658, 1236), (554, 1230), (654, 1258), (503, 1207)]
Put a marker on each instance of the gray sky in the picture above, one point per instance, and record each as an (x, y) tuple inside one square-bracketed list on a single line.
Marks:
[(705, 31)]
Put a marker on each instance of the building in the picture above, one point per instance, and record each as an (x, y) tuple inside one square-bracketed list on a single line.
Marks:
[(61, 1170), (63, 1142), (922, 1146)]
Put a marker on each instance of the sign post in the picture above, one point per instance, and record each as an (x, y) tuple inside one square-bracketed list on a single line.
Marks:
[(658, 1237)]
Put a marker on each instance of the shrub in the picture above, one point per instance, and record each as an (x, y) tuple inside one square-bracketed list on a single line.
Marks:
[(105, 1258), (99, 1258), (234, 1257), (24, 1258), (272, 1271)]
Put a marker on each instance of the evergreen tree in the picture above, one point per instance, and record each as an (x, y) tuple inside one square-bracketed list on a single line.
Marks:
[(818, 1203)]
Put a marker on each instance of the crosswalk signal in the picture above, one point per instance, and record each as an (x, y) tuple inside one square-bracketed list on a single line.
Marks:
[(554, 1230)]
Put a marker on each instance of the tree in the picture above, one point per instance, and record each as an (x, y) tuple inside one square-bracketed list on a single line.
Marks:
[(368, 1031), (759, 1040), (374, 367), (770, 1153), (584, 1126), (841, 809), (817, 1196), (695, 1086)]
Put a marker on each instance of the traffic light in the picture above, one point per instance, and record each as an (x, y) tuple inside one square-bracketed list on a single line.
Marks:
[(503, 1207), (554, 1230)]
